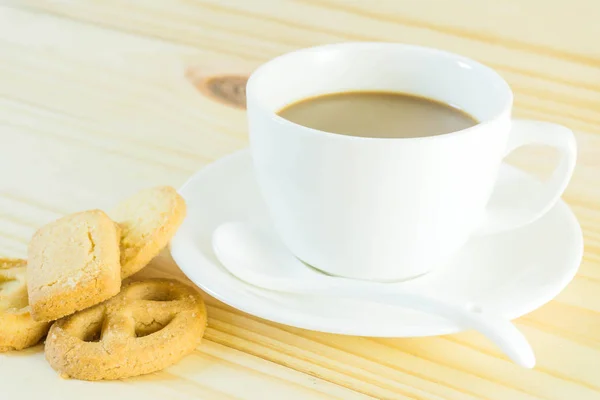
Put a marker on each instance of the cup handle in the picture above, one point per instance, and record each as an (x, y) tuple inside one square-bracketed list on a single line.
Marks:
[(527, 206)]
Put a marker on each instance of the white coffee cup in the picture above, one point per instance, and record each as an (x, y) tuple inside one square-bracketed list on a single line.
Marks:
[(391, 208)]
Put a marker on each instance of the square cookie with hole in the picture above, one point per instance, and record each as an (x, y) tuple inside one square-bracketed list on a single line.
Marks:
[(73, 264)]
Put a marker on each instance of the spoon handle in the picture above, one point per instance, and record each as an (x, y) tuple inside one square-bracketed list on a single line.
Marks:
[(500, 331)]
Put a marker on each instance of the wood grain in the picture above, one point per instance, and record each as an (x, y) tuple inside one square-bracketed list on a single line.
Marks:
[(100, 99)]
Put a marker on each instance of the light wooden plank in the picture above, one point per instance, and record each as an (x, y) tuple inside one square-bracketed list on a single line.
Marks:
[(97, 100)]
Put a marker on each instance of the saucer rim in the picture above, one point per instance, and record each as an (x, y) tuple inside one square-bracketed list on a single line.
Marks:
[(179, 253)]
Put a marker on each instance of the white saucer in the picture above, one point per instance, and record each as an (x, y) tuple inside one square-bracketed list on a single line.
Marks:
[(512, 273)]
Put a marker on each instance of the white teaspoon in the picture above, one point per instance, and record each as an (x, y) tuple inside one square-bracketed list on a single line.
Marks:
[(260, 259)]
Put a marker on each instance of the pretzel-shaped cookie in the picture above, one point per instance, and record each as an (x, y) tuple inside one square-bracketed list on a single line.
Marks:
[(149, 326), (17, 329)]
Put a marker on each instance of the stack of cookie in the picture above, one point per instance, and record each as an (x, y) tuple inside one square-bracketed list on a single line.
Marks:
[(73, 276)]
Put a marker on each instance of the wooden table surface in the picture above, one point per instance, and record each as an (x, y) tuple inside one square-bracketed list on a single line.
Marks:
[(101, 98)]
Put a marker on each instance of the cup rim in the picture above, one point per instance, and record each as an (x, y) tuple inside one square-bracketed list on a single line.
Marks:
[(251, 85)]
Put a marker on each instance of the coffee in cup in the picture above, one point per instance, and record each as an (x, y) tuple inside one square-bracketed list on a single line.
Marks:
[(377, 114)]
